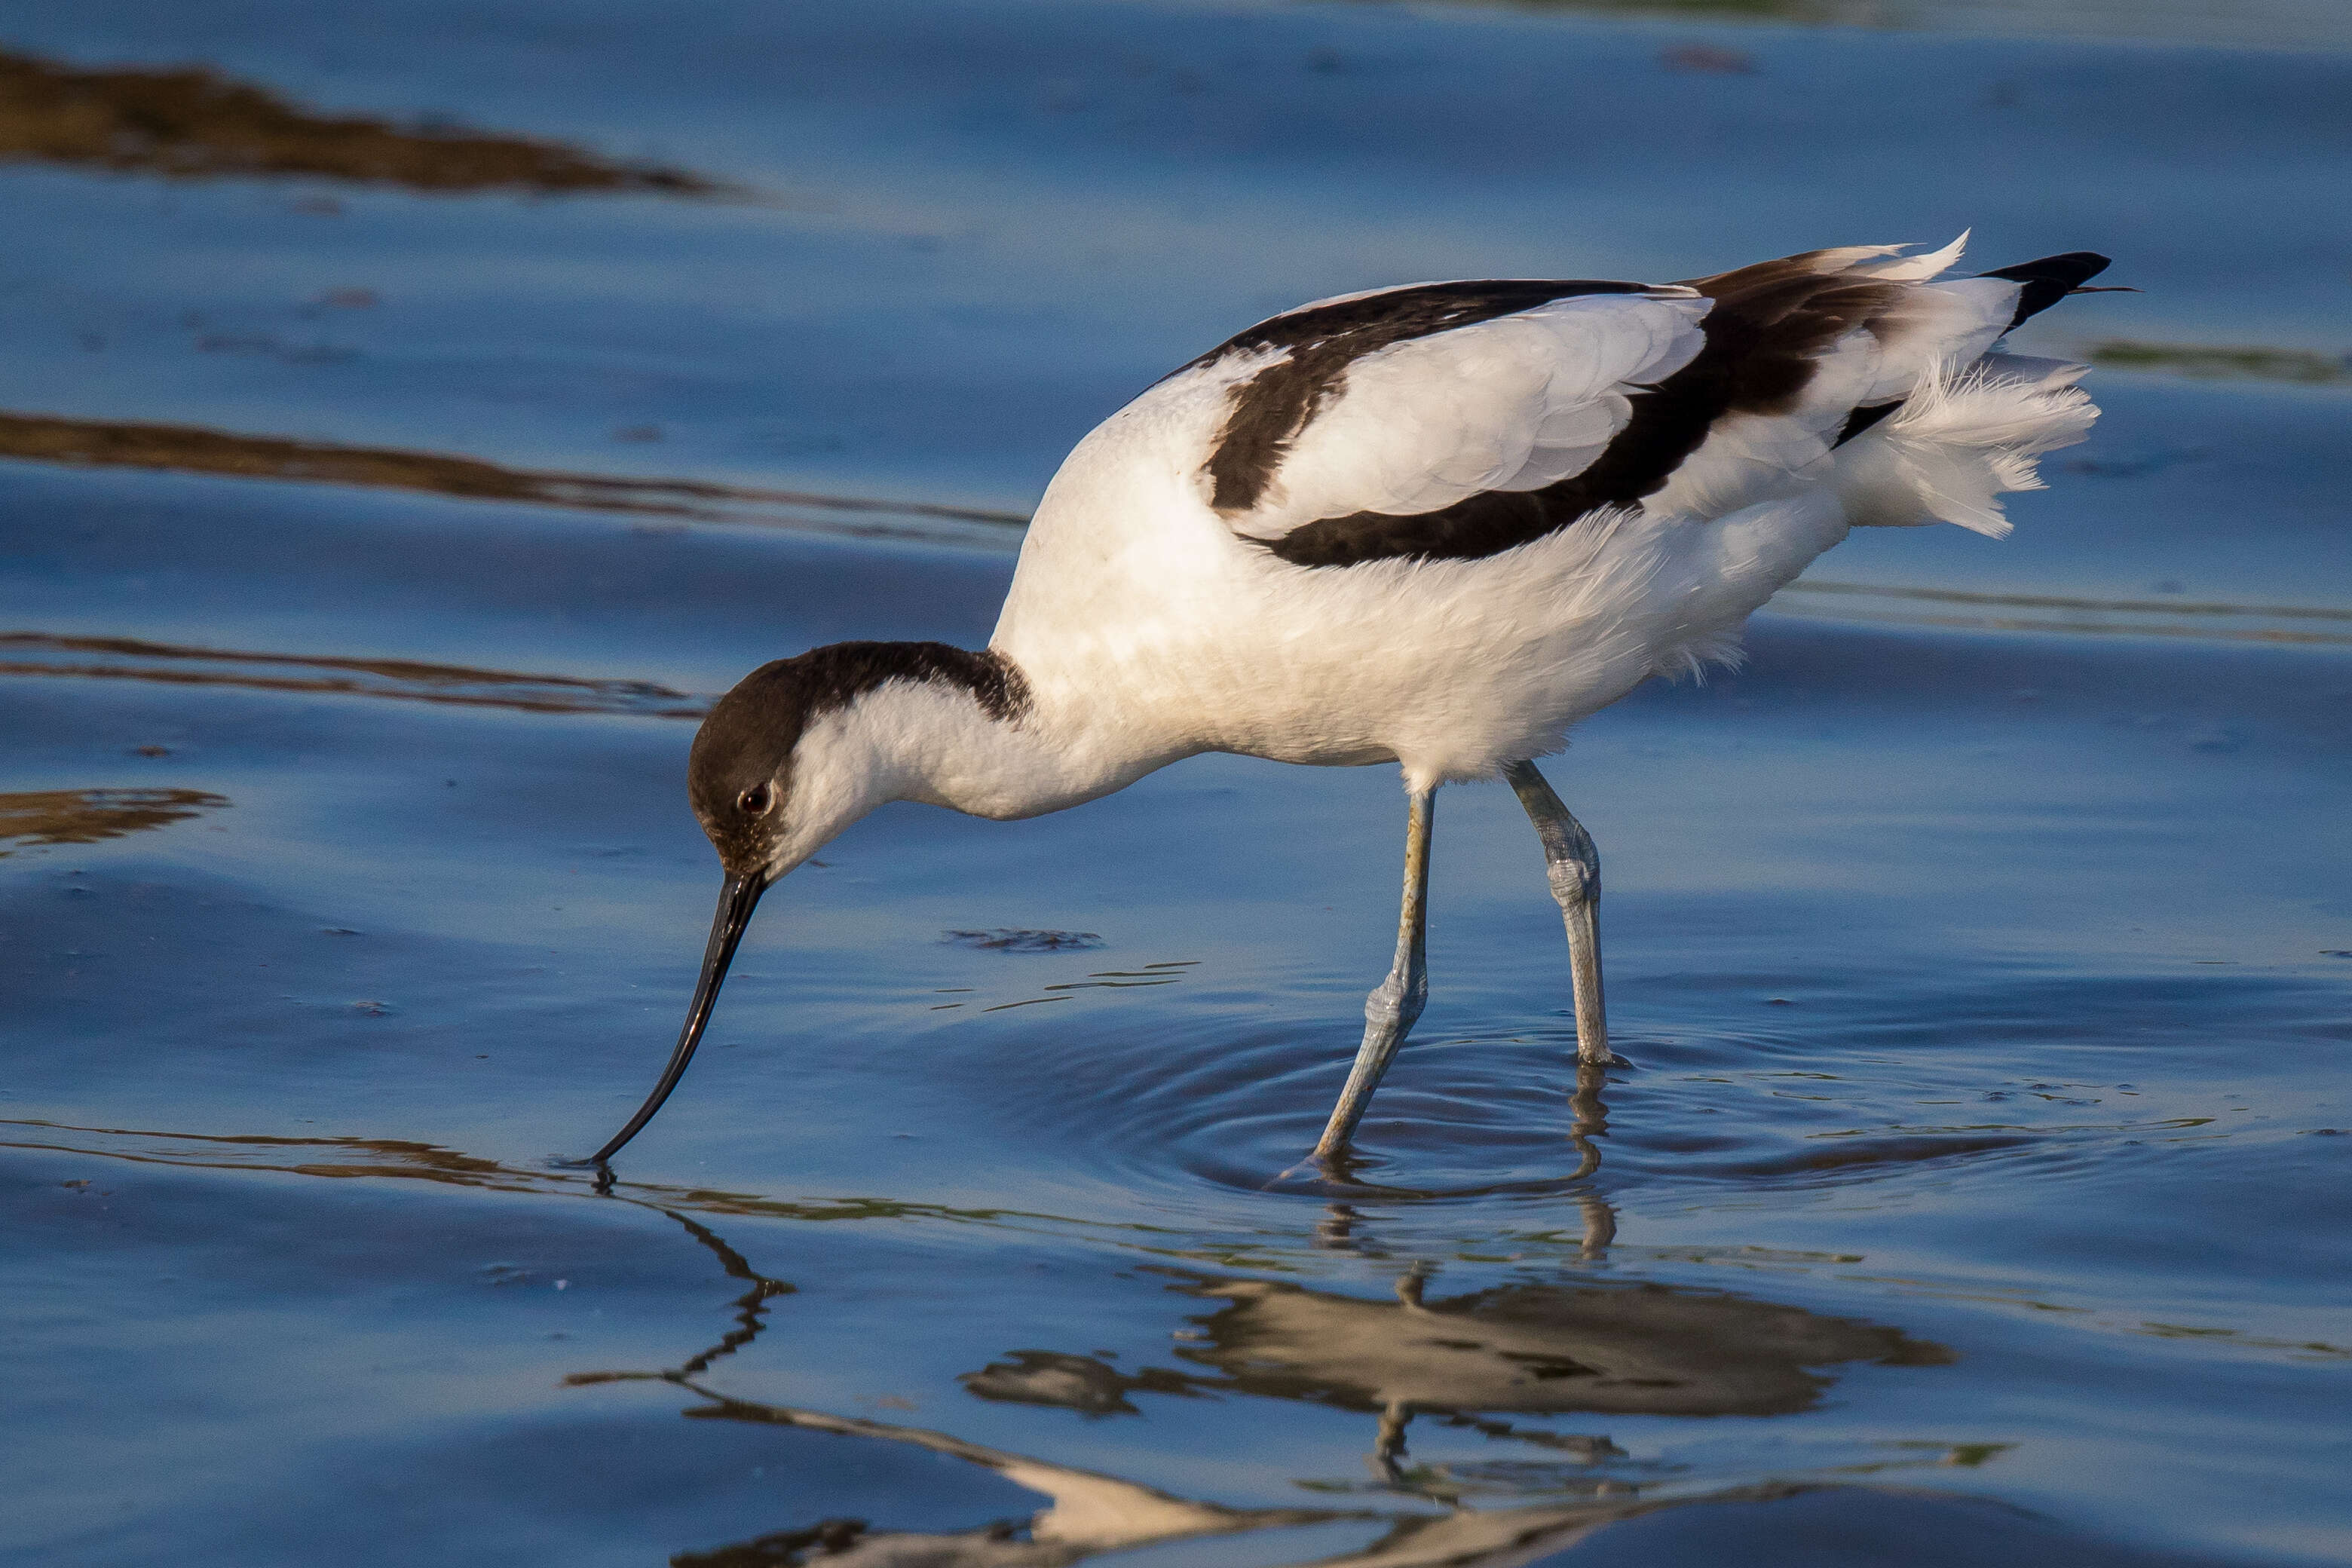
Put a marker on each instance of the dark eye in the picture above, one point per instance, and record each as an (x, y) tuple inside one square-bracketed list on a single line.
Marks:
[(756, 799)]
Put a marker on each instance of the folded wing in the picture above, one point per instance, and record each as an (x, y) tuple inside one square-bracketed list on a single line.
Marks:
[(1458, 420), (1506, 407)]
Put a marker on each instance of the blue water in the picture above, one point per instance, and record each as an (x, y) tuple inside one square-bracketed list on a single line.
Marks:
[(1977, 1191)]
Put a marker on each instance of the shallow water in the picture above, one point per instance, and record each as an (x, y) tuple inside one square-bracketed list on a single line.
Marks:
[(370, 548)]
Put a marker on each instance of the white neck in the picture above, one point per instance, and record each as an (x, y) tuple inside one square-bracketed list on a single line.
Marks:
[(934, 742)]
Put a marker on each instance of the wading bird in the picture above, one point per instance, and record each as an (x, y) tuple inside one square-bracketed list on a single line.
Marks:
[(1435, 525)]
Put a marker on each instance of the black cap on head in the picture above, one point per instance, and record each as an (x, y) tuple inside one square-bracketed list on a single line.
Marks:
[(740, 768), (739, 777)]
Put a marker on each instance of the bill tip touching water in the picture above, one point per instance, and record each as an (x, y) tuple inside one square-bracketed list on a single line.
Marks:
[(1437, 525)]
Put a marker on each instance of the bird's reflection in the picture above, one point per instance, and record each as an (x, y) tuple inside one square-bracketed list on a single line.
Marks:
[(750, 1308), (1349, 1175), (1531, 1349), (1494, 1361), (1502, 1362), (1343, 1227), (1513, 1351), (1524, 1349), (1080, 1382), (1087, 1514)]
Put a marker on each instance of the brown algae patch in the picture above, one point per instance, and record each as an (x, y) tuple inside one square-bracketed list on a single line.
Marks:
[(191, 122), (195, 450), (36, 817), (46, 655)]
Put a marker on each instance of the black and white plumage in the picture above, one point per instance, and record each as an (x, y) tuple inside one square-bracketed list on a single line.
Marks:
[(1436, 524)]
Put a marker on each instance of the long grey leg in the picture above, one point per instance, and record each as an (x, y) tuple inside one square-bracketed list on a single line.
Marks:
[(1573, 866), (1396, 1002)]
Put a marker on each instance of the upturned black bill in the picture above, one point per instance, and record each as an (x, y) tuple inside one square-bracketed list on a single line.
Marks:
[(737, 900)]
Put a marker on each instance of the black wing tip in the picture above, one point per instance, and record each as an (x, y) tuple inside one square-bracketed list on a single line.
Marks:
[(2050, 280), (2072, 267)]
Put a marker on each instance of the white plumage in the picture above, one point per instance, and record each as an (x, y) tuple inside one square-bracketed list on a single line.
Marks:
[(1150, 626), (1437, 524), (1514, 404)]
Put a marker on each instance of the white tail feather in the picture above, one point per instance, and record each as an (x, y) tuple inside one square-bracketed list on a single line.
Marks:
[(1962, 438)]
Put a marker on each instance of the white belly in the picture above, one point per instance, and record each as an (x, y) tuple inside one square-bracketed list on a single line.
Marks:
[(1200, 641)]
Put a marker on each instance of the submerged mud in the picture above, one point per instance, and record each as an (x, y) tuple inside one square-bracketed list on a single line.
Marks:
[(36, 817), (122, 444), (194, 123)]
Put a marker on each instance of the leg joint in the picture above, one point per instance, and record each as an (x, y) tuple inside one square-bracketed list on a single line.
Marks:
[(1572, 864), (1574, 880), (1395, 1003)]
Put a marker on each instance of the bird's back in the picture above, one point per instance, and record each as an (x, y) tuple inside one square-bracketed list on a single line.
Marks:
[(1442, 522)]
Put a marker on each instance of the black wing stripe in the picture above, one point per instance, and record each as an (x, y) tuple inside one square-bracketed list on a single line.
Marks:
[(1269, 411), (1769, 323)]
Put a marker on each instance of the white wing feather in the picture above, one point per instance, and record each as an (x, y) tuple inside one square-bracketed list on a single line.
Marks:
[(1529, 399), (1513, 404)]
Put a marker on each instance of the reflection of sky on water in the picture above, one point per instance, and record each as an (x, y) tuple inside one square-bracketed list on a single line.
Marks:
[(2306, 24), (984, 227), (1080, 195), (1691, 1352), (1990, 1114), (1983, 976)]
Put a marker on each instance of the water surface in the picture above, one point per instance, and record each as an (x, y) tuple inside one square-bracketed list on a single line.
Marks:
[(1977, 1187)]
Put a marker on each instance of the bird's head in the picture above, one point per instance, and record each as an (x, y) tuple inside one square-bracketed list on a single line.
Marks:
[(783, 763), (768, 793)]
